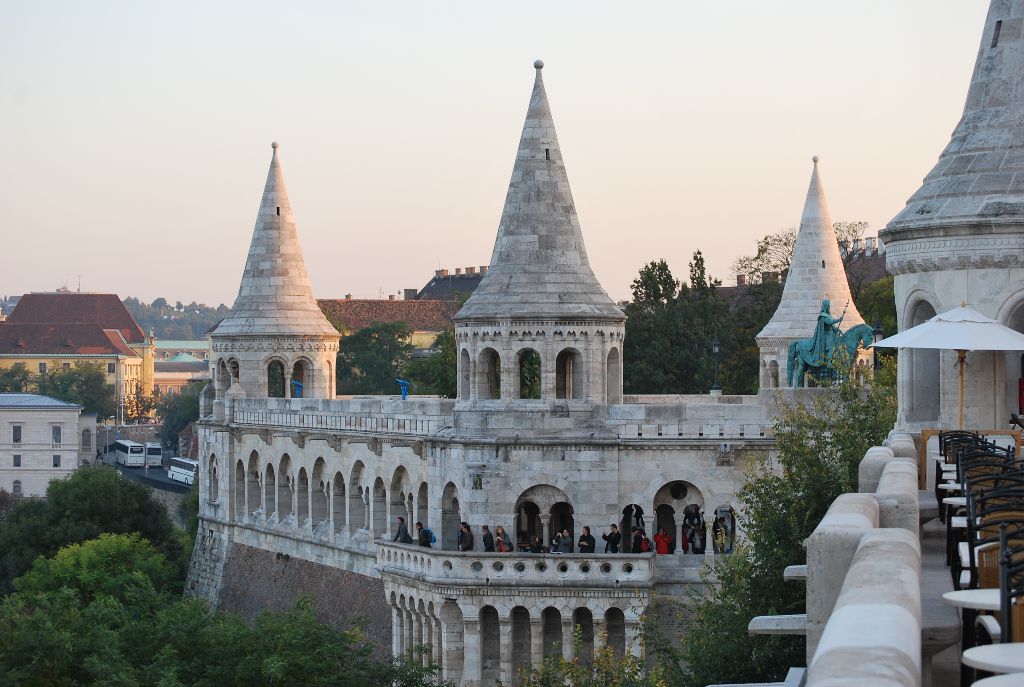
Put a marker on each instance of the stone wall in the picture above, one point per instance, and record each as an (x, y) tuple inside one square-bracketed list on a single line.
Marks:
[(256, 580)]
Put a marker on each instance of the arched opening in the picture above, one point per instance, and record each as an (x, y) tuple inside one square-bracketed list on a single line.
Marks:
[(490, 646), (222, 381), (422, 506), (695, 529), (613, 371), (213, 488), (521, 642), (320, 499), (300, 372), (86, 440), (339, 502), (570, 375), (302, 494), (583, 619), (551, 622), (285, 489), (275, 379), (233, 372), (270, 491), (615, 626), (723, 529), (773, 374), (528, 364), (451, 516), (561, 522), (357, 519), (925, 382), (16, 488), (401, 489), (252, 485), (239, 490), (528, 524), (488, 384), (452, 641), (379, 510), (632, 516), (464, 374), (669, 503)]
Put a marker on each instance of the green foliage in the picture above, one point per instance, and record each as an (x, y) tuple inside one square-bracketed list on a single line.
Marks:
[(186, 322), (83, 383), (176, 412), (436, 374), (820, 446), (372, 358), (606, 670), (529, 375), (92, 501), (17, 379), (877, 304)]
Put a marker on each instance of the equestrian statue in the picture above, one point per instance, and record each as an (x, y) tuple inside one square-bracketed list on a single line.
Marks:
[(830, 352)]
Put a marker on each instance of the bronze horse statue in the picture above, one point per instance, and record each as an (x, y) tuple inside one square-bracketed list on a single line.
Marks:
[(801, 358)]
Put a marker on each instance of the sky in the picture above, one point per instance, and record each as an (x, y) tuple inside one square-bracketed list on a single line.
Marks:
[(137, 135)]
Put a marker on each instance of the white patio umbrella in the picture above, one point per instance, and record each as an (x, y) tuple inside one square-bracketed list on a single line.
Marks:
[(960, 329)]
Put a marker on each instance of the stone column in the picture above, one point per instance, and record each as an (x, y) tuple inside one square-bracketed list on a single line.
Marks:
[(474, 392), (471, 650), (600, 633), (507, 383), (438, 653), (427, 625), (288, 385), (417, 639), (452, 646), (536, 642), (545, 522), (396, 631), (568, 634), (505, 650), (633, 645)]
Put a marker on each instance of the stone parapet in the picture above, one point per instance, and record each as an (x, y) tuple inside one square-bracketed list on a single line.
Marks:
[(897, 496), (380, 415)]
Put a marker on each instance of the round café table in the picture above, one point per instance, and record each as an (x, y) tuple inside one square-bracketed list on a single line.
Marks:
[(1008, 680), (974, 599), (996, 658)]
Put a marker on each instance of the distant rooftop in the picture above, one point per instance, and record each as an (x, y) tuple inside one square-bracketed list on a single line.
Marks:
[(32, 401), (419, 315), (452, 285), (181, 343)]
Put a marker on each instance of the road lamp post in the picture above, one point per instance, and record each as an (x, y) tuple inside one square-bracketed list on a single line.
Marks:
[(716, 348)]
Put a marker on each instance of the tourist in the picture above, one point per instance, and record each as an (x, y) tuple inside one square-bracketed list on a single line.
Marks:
[(565, 542), (662, 541), (465, 542), (612, 539), (637, 540), (536, 545), (488, 539), (587, 543), (422, 535), (402, 535), (684, 541), (504, 544)]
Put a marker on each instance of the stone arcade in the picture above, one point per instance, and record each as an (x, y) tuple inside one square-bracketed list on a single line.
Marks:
[(300, 491)]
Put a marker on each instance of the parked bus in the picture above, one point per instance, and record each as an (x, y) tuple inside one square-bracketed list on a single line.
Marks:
[(154, 455), (183, 470), (131, 454)]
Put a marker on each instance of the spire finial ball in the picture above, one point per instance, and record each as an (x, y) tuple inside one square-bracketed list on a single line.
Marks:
[(274, 145), (538, 64), (814, 159)]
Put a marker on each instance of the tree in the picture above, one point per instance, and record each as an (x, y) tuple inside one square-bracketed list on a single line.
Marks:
[(159, 304), (820, 447), (176, 412), (437, 373), (772, 257), (372, 358), (92, 501), (84, 384), (138, 404), (16, 379)]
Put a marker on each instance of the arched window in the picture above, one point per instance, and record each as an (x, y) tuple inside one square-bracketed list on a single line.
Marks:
[(529, 373), (275, 379), (86, 440), (923, 404), (299, 381), (488, 367), (213, 489), (614, 376), (570, 375), (16, 489)]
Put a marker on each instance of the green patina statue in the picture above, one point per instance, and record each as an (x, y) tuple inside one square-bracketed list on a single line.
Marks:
[(829, 351)]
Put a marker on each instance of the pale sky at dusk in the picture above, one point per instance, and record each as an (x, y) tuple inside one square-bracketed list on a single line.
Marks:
[(137, 135)]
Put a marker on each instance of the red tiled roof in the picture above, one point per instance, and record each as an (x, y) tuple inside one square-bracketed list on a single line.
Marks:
[(69, 308), (420, 316), (61, 339)]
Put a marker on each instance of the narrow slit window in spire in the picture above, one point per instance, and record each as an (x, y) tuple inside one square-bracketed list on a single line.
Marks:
[(279, 211), (547, 154), (822, 264), (995, 33)]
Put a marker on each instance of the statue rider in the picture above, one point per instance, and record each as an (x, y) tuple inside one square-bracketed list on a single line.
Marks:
[(826, 333)]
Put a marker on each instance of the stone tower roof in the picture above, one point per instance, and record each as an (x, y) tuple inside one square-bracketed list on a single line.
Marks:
[(539, 267), (979, 178), (275, 297), (816, 269)]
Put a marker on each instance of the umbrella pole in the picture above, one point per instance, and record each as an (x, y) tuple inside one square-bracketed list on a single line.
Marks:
[(961, 360)]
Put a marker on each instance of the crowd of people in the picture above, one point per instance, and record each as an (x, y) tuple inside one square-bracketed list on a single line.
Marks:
[(692, 539)]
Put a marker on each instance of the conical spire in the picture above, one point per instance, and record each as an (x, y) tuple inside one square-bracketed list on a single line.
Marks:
[(979, 178), (539, 267), (275, 297), (815, 270)]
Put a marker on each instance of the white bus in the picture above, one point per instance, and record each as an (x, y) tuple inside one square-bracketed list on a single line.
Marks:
[(154, 455), (131, 454), (183, 470)]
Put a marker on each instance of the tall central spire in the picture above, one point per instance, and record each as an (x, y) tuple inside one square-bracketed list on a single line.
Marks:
[(274, 297), (539, 267)]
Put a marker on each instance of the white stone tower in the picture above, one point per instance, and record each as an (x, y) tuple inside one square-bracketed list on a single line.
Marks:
[(961, 238), (275, 341), (815, 270), (539, 299)]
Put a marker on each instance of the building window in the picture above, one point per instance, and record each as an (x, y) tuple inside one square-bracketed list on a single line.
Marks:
[(17, 460), (56, 461), (16, 434), (66, 366), (110, 368), (16, 489), (86, 440), (42, 368), (56, 435)]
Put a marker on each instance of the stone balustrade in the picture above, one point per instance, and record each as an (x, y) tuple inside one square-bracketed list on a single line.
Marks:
[(517, 569), (708, 419), (420, 417)]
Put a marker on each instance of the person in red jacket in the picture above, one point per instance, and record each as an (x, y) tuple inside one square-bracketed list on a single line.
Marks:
[(662, 542)]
